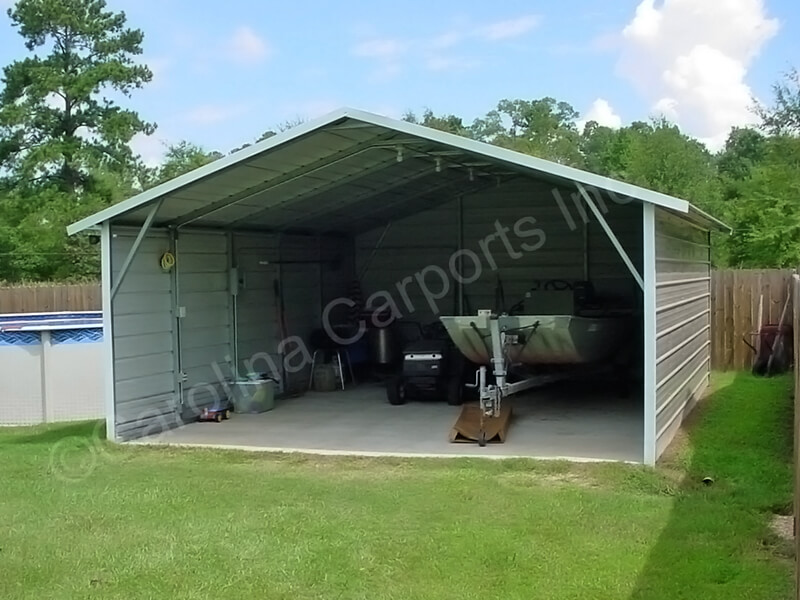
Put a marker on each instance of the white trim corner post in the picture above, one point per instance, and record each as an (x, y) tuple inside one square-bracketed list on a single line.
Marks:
[(649, 334), (108, 332)]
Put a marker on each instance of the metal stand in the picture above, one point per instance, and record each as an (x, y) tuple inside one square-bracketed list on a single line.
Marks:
[(338, 367), (491, 395)]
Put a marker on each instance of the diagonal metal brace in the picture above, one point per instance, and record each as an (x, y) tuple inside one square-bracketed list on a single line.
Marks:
[(610, 233), (136, 243)]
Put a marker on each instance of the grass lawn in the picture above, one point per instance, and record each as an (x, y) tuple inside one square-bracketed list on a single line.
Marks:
[(180, 523)]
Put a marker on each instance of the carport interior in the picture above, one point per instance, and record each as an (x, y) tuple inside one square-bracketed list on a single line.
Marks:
[(355, 223)]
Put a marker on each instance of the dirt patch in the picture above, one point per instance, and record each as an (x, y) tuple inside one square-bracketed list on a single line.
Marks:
[(783, 527), (529, 479)]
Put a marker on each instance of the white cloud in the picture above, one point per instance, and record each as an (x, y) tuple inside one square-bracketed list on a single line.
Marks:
[(246, 46), (150, 147), (601, 112), (387, 52), (53, 100), (666, 107), (212, 114), (435, 53), (690, 60), (511, 28)]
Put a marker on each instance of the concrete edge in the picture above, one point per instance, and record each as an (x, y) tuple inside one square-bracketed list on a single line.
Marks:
[(369, 454)]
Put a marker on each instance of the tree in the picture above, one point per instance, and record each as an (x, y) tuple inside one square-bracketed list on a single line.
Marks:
[(57, 122), (181, 158), (662, 158), (285, 126), (606, 151), (766, 214), (545, 128), (783, 117), (744, 149), (35, 246), (448, 123)]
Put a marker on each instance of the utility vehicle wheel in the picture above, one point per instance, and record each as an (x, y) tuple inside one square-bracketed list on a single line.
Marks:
[(218, 417), (482, 439), (396, 391)]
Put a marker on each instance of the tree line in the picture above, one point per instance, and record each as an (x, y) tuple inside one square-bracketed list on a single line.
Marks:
[(65, 152)]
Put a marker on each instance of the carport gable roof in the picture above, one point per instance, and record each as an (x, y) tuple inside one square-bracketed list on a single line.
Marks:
[(350, 171)]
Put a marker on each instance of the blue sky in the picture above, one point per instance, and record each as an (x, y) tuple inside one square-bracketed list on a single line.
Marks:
[(225, 72)]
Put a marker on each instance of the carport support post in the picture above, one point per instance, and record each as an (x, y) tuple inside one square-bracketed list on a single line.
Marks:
[(649, 310), (460, 279), (123, 270), (108, 332), (610, 233), (176, 323)]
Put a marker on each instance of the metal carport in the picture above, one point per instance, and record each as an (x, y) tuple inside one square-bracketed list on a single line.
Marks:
[(349, 185)]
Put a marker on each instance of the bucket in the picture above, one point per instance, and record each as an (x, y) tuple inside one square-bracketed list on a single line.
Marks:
[(253, 396), (383, 345), (324, 378)]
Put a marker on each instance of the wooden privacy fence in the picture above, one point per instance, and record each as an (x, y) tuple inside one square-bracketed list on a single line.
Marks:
[(796, 432), (50, 298), (738, 297)]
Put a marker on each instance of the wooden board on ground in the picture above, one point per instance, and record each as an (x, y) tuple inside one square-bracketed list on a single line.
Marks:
[(467, 428)]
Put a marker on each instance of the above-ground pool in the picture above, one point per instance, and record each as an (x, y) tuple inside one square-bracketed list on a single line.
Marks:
[(50, 367)]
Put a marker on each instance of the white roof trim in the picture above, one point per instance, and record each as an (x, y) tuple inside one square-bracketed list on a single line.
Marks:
[(490, 151)]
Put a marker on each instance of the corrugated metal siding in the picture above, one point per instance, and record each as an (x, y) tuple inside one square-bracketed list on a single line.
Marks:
[(306, 289), (145, 385), (683, 295), (520, 207), (205, 331), (302, 301), (607, 271), (422, 241), (256, 311), (337, 276)]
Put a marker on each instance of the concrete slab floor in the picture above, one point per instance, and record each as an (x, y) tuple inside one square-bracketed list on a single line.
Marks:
[(559, 422)]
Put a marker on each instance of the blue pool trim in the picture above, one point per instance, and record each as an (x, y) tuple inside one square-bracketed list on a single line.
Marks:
[(65, 328), (76, 336), (48, 321), (20, 338)]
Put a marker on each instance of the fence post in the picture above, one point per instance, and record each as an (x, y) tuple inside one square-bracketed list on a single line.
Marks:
[(795, 289)]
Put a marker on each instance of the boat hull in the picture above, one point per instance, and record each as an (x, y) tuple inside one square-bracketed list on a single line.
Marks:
[(544, 339)]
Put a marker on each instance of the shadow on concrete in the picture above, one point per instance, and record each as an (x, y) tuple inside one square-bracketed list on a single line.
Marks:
[(732, 470)]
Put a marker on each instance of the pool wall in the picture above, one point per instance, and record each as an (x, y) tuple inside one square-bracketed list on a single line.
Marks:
[(50, 368)]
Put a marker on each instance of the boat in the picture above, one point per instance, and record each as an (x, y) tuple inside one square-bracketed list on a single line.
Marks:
[(540, 339)]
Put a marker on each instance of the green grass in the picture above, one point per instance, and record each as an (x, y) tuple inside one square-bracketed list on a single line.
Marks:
[(178, 523)]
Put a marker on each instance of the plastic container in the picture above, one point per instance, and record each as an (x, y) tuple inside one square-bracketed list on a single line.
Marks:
[(253, 396)]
